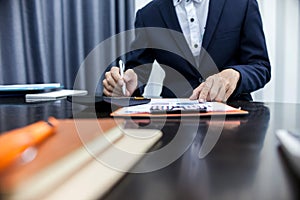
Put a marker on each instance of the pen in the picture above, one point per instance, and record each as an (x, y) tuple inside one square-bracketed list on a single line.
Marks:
[(13, 143), (122, 69)]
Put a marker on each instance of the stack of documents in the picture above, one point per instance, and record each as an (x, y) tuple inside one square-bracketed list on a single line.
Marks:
[(177, 107)]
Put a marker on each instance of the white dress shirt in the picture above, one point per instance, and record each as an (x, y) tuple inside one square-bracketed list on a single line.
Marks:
[(192, 17)]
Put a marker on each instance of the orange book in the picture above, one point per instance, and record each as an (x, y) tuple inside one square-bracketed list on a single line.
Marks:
[(64, 162)]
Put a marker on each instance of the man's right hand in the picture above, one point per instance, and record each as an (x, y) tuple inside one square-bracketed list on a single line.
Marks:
[(113, 82)]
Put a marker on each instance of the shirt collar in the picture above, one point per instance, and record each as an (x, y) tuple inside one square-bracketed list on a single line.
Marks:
[(177, 2)]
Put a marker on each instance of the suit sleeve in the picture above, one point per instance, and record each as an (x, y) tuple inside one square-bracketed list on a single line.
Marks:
[(256, 70), (141, 58)]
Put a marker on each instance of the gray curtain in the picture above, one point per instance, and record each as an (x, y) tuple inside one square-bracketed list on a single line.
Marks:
[(44, 41)]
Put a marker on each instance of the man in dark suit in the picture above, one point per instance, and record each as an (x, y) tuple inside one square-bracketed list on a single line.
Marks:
[(232, 63)]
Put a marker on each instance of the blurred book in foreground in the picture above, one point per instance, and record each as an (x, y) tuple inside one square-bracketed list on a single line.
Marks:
[(68, 164)]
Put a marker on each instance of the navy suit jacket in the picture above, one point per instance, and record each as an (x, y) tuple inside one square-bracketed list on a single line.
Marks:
[(233, 38)]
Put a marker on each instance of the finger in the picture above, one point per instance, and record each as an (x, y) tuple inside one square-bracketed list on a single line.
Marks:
[(110, 84), (117, 93), (130, 79), (229, 93), (111, 94), (114, 91), (107, 86), (196, 92), (106, 92), (110, 80), (117, 77), (129, 75), (215, 88), (205, 90), (115, 72), (221, 97)]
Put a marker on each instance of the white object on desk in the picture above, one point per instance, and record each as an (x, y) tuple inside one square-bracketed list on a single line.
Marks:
[(154, 85), (48, 96), (29, 87), (290, 143), (145, 108)]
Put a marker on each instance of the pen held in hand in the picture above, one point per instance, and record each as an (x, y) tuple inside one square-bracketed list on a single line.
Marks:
[(13, 143), (122, 69)]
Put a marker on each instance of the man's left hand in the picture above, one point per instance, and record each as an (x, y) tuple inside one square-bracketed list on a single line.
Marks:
[(218, 87)]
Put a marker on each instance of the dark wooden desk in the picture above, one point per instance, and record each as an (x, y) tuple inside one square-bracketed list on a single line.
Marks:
[(245, 163)]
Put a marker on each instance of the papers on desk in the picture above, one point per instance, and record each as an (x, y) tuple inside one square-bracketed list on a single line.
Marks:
[(48, 96), (145, 110)]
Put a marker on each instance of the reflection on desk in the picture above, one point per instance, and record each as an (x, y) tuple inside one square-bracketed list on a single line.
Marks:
[(15, 112), (244, 164)]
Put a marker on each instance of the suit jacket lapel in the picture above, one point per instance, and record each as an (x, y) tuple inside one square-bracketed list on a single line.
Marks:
[(214, 14), (169, 16)]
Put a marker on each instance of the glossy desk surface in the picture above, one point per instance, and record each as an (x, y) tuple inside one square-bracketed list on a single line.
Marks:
[(245, 162)]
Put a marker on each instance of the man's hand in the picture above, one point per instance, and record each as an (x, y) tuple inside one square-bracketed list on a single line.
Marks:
[(217, 87), (112, 84)]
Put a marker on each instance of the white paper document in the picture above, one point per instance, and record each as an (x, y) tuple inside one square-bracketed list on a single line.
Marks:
[(48, 96), (145, 108)]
